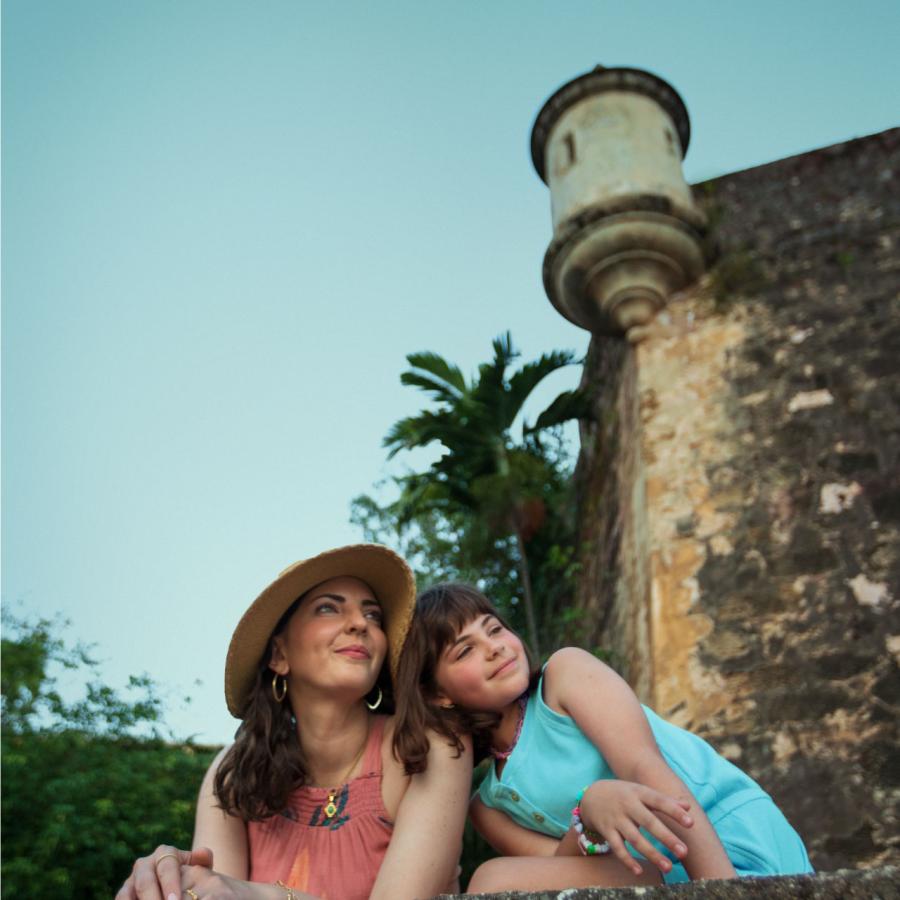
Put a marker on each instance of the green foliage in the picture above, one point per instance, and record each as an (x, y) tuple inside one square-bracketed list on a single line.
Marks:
[(31, 701), (78, 809), (473, 420), (28, 691), (492, 510), (84, 793)]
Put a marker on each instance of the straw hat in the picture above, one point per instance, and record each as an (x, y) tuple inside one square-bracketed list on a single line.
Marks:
[(380, 568)]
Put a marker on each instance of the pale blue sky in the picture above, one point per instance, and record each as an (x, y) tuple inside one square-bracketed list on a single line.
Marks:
[(226, 223)]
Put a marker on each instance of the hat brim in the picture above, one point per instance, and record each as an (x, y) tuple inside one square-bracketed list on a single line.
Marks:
[(386, 573)]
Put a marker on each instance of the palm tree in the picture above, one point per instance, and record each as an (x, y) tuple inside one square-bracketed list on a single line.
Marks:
[(483, 472)]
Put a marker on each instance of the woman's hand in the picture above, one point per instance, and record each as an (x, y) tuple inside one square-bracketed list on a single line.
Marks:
[(201, 883), (619, 809), (158, 876), (172, 874)]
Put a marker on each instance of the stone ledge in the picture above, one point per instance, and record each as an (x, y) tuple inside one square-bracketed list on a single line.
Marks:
[(846, 884)]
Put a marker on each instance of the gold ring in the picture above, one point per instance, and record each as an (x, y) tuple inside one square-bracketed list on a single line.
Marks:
[(192, 892), (173, 855)]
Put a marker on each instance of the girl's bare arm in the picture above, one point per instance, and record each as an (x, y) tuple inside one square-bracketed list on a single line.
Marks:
[(617, 726), (506, 836)]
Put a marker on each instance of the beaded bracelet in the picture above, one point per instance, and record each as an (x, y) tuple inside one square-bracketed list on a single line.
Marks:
[(589, 842), (290, 893)]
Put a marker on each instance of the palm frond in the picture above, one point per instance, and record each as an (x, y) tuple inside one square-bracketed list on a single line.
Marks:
[(568, 405), (490, 387), (504, 350), (428, 383), (523, 382), (436, 365), (425, 428), (424, 493)]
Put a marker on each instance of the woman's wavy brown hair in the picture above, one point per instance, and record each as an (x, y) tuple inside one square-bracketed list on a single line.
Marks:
[(265, 764), (442, 611)]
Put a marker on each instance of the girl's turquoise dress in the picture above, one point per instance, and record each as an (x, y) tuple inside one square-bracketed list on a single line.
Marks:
[(553, 760)]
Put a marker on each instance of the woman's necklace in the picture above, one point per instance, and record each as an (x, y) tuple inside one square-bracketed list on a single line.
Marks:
[(505, 754), (330, 807)]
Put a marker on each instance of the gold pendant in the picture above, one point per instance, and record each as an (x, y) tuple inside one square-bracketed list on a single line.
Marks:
[(330, 808)]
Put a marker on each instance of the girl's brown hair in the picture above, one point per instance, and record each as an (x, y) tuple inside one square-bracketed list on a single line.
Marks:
[(266, 764), (442, 611)]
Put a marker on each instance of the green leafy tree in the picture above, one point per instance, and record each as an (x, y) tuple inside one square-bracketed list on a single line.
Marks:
[(488, 495), (88, 785), (32, 703)]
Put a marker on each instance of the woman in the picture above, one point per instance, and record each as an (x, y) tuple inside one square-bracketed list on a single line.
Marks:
[(310, 800)]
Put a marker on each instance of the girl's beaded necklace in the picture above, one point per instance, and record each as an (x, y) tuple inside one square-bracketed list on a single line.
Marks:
[(505, 754)]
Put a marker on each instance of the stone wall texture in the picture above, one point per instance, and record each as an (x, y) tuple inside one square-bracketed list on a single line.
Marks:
[(740, 495), (873, 884)]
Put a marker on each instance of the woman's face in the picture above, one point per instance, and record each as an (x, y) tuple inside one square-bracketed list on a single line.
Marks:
[(484, 668), (334, 641)]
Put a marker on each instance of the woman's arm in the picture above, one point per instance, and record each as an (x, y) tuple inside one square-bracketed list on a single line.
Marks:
[(220, 839), (422, 856), (223, 833), (507, 837), (617, 726)]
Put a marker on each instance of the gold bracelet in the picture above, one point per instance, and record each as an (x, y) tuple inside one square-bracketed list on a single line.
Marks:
[(290, 892)]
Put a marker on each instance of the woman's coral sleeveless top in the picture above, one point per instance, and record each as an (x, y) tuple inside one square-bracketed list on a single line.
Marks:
[(337, 857)]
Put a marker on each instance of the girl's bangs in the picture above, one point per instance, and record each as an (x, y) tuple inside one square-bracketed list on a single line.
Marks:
[(447, 608)]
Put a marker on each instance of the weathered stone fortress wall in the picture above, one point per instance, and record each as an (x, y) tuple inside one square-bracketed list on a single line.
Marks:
[(881, 884), (740, 491)]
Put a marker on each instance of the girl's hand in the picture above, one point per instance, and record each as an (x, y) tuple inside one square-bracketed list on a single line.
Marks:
[(158, 876), (619, 809)]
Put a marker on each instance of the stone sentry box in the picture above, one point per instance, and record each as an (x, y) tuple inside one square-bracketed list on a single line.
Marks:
[(626, 232)]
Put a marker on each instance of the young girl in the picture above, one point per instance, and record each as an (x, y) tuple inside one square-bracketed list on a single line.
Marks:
[(576, 726)]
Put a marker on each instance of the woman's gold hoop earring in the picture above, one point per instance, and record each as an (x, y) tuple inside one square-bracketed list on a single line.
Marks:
[(279, 691), (377, 703)]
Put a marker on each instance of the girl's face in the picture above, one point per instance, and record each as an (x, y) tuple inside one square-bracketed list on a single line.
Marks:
[(484, 668), (334, 640)]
